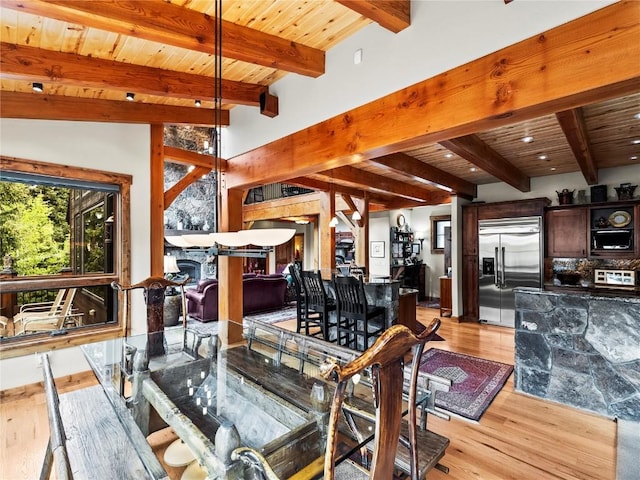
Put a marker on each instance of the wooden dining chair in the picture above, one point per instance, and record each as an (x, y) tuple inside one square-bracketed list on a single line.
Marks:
[(357, 320), (419, 449), (154, 289), (386, 360), (301, 307), (318, 305)]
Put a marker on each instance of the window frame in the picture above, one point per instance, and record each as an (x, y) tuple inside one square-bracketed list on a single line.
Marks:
[(14, 346), (435, 222)]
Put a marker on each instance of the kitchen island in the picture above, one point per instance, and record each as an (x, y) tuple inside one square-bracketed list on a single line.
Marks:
[(579, 349)]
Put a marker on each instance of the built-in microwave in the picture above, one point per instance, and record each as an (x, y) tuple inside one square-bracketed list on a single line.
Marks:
[(620, 239)]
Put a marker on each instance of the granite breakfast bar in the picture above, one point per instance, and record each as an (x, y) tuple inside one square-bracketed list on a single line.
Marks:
[(579, 349)]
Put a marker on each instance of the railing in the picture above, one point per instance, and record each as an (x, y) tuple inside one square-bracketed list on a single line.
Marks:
[(274, 191)]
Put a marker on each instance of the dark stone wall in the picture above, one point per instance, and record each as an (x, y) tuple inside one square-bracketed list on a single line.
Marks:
[(580, 350)]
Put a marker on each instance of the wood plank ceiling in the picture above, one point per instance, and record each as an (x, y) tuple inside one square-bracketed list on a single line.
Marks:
[(89, 53)]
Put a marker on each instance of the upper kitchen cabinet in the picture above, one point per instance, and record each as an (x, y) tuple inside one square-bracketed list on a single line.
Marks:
[(566, 230), (603, 230), (613, 230)]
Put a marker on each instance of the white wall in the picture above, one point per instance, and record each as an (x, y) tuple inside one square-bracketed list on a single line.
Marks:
[(420, 222), (120, 148), (549, 185), (431, 45)]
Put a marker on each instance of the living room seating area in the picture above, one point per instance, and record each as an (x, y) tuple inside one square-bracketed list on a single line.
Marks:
[(260, 293)]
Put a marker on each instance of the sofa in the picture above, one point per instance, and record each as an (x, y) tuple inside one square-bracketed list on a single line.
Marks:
[(260, 293)]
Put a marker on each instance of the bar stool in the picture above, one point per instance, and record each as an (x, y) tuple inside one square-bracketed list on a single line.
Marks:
[(318, 305), (356, 319)]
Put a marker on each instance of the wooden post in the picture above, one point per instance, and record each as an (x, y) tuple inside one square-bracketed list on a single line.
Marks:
[(326, 234), (230, 297), (8, 300), (156, 209)]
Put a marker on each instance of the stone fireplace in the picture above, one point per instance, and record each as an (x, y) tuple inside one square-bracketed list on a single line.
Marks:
[(194, 262)]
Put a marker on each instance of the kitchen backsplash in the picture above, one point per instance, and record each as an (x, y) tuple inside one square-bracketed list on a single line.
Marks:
[(586, 266)]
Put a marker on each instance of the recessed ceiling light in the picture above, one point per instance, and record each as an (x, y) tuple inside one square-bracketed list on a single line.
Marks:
[(473, 169), (198, 103), (527, 139), (635, 142), (542, 157), (633, 157), (131, 96), (637, 116), (448, 155), (553, 169), (37, 87)]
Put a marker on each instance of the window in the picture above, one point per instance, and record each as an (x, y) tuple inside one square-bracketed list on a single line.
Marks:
[(64, 237), (438, 224)]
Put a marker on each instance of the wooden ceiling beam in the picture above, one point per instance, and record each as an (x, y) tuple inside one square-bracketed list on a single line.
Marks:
[(28, 63), (575, 131), (394, 15), (424, 172), (187, 157), (505, 87), (354, 208), (57, 107), (377, 183), (475, 151), (172, 193), (177, 26)]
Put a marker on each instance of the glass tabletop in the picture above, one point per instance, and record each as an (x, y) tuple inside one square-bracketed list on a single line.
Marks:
[(227, 384)]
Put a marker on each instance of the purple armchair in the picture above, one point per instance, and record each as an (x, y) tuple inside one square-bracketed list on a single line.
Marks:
[(260, 293)]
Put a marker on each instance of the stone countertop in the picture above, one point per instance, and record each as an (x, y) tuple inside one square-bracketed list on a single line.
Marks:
[(592, 290), (408, 291)]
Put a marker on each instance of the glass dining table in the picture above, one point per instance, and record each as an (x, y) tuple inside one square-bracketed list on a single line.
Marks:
[(264, 392)]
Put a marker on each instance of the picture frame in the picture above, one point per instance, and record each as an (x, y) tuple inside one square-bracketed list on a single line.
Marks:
[(415, 248), (376, 249)]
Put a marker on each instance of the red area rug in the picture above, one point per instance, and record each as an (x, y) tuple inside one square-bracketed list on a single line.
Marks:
[(476, 381)]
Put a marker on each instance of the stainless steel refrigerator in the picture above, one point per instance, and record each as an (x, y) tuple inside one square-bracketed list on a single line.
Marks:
[(510, 252)]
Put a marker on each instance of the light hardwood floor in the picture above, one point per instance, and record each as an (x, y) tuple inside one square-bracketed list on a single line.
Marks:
[(518, 437)]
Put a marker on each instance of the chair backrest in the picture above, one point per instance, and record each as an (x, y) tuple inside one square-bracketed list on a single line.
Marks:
[(68, 302), (386, 359), (411, 275), (315, 294), (57, 303), (294, 270), (154, 292), (351, 301)]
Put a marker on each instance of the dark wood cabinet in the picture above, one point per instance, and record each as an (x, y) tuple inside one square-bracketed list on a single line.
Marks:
[(607, 230), (566, 232), (470, 273), (470, 230), (445, 297)]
